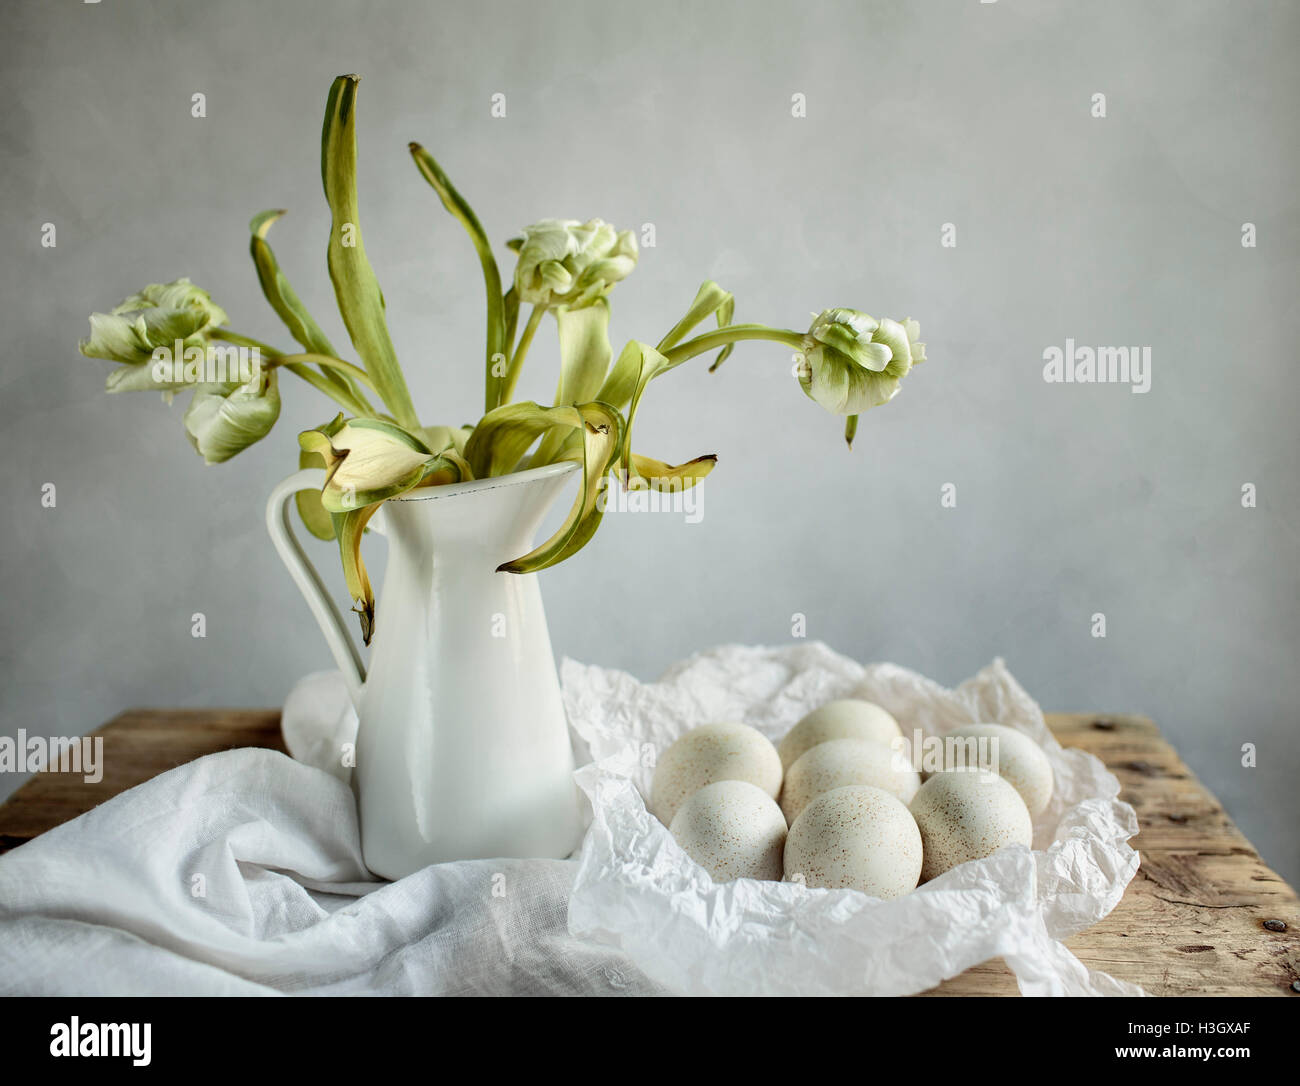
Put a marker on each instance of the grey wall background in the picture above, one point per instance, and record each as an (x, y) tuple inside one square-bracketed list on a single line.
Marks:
[(1071, 499)]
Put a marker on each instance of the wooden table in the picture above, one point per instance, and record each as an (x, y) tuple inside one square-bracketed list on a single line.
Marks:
[(1203, 916)]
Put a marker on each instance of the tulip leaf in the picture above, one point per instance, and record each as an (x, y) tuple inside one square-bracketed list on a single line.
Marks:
[(496, 316), (621, 380), (350, 527), (660, 476), (446, 467), (280, 293), (584, 351), (368, 461), (501, 437), (350, 524), (511, 305), (360, 301), (584, 360), (725, 311), (442, 438), (601, 427), (625, 377), (651, 365), (709, 299), (286, 303), (317, 519)]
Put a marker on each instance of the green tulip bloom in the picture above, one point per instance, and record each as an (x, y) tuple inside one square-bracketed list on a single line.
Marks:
[(852, 362), (223, 420), (163, 315), (565, 262)]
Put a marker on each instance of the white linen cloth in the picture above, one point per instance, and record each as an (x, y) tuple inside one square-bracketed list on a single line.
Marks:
[(241, 874)]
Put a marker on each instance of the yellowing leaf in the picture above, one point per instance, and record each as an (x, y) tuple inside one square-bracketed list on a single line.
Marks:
[(350, 527), (496, 312), (501, 437), (584, 360), (317, 519), (657, 475), (602, 436), (368, 461), (361, 302)]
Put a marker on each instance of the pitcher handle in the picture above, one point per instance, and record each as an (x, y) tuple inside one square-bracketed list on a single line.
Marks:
[(308, 580)]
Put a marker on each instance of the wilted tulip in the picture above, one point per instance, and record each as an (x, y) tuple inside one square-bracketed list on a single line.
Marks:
[(852, 362), (565, 262), (223, 420), (174, 317)]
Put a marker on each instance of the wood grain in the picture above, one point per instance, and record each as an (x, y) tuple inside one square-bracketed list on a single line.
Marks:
[(138, 745), (1191, 923), (1192, 919)]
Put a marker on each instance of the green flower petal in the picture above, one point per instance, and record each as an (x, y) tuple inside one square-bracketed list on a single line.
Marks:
[(161, 315), (222, 421), (566, 262), (852, 362)]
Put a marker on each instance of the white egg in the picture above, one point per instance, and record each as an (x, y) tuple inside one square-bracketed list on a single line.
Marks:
[(715, 752), (859, 837), (843, 762), (732, 829), (847, 718), (967, 814), (1017, 759)]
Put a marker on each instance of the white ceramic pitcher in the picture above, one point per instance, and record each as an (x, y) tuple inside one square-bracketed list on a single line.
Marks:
[(463, 750)]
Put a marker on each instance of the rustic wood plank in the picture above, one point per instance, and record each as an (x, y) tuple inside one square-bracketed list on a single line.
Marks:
[(1191, 922), (1192, 919), (138, 745)]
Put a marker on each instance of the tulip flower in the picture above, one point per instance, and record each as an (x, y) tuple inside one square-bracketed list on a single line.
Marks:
[(565, 262), (173, 316), (852, 362), (223, 420)]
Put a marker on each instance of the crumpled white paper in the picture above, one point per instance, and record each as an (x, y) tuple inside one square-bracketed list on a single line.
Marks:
[(638, 891)]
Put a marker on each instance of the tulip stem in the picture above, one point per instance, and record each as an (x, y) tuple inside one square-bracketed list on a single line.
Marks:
[(732, 333), (521, 349), (321, 384), (227, 336), (300, 365), (355, 372)]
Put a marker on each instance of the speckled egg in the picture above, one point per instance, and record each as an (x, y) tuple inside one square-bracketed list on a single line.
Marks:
[(967, 814), (843, 762), (858, 837), (732, 829), (714, 752), (847, 718), (1019, 761)]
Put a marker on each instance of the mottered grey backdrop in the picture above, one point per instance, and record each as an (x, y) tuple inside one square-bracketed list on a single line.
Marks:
[(925, 123)]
